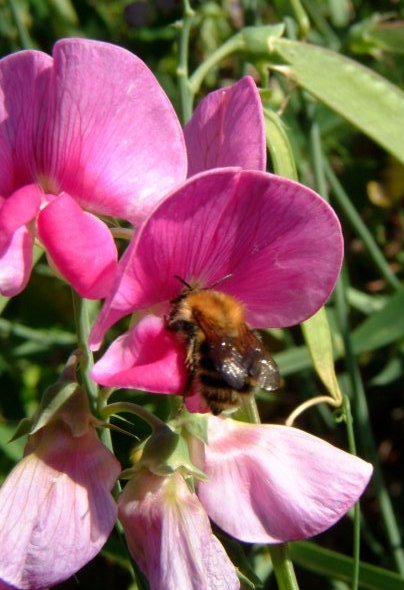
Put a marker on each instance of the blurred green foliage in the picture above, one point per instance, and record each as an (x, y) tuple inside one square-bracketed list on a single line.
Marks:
[(365, 185)]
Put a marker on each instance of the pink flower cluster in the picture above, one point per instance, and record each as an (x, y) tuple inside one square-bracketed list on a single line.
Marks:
[(98, 137)]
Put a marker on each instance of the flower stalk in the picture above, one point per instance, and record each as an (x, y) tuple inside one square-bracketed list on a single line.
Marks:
[(233, 45), (283, 567), (82, 320), (187, 96)]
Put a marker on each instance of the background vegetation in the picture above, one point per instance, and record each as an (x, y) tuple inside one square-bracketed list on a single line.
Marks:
[(344, 136)]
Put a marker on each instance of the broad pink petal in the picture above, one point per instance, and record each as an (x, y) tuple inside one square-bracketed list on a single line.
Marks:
[(18, 209), (56, 510), (16, 263), (24, 90), (80, 245), (96, 125), (147, 357), (113, 140), (227, 129), (280, 483), (170, 537), (280, 241)]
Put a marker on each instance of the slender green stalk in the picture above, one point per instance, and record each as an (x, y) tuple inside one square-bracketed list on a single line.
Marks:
[(3, 303), (319, 172), (301, 18), (81, 315), (182, 70), (318, 160), (361, 413), (234, 44), (346, 408), (359, 226), (25, 39), (283, 567), (132, 408)]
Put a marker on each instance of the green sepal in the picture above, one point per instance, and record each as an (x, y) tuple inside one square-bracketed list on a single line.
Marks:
[(165, 452), (66, 402), (195, 424), (23, 429), (258, 40)]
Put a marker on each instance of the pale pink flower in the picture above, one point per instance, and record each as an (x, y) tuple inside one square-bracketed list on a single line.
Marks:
[(84, 133), (170, 537), (56, 509), (279, 483)]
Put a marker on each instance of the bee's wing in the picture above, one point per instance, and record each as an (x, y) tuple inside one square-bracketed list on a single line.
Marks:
[(259, 363), (227, 359), (228, 362)]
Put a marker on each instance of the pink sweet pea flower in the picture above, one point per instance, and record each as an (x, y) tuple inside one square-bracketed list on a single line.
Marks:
[(280, 483), (227, 129), (279, 240), (170, 537), (56, 509), (84, 133)]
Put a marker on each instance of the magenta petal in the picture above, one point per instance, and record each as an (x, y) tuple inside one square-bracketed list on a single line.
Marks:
[(170, 537), (80, 245), (23, 74), (56, 510), (280, 483), (147, 357), (18, 209), (113, 141), (227, 129), (280, 241), (16, 263)]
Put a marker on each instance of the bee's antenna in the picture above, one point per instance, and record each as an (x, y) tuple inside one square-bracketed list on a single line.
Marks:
[(183, 282), (221, 280)]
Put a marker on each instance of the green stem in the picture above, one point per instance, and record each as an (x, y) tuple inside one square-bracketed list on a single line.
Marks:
[(319, 173), (361, 413), (187, 96), (234, 44), (359, 226), (318, 160), (81, 315), (119, 407), (283, 567), (25, 39), (346, 408), (301, 18)]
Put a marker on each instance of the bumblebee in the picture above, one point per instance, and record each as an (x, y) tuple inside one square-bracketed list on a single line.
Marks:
[(225, 358)]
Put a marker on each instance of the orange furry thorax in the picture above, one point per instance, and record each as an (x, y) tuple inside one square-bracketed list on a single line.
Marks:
[(219, 309)]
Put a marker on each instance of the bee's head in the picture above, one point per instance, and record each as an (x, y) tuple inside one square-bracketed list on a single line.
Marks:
[(196, 287)]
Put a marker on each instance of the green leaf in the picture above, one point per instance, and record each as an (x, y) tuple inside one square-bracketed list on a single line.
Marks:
[(361, 96), (293, 360), (376, 34), (335, 565), (383, 327), (279, 146), (317, 334)]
